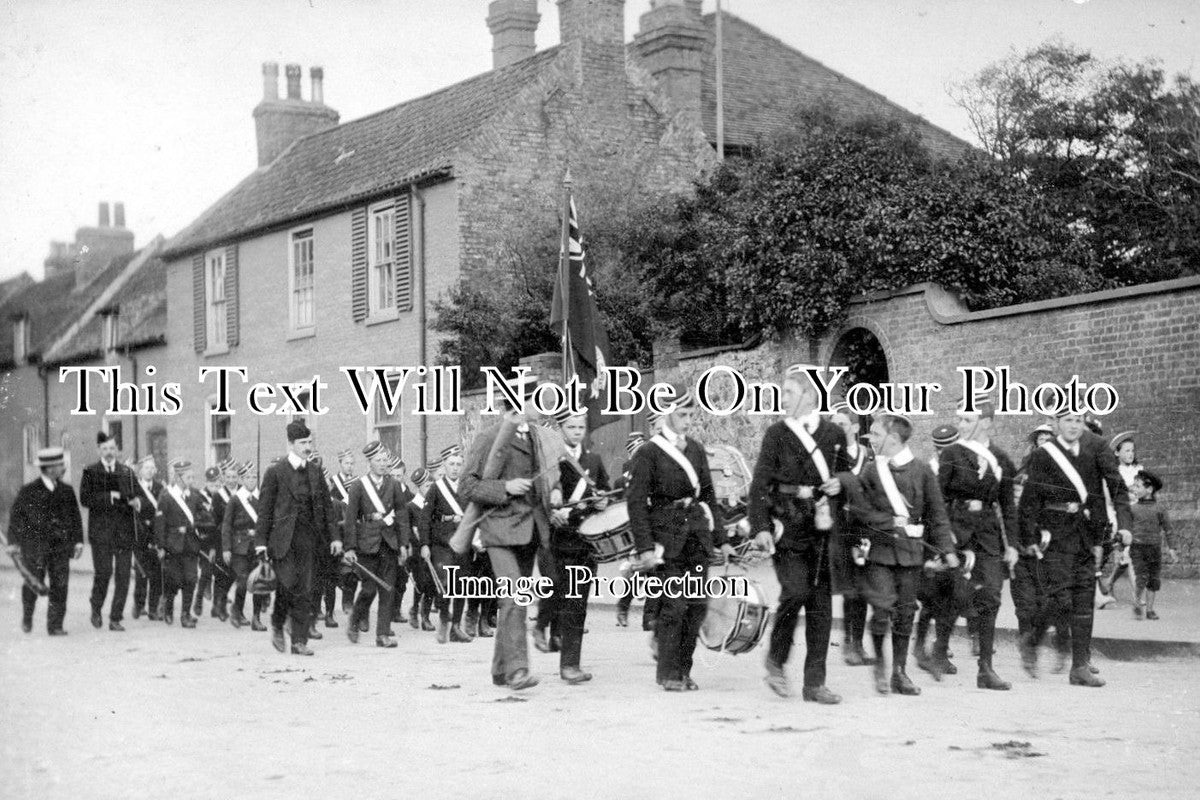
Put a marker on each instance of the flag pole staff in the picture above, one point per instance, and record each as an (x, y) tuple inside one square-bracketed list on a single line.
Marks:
[(564, 275)]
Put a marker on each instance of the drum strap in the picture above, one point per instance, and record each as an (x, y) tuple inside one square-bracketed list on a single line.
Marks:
[(1068, 469), (369, 487), (680, 459), (810, 446), (177, 496), (449, 497), (244, 496)]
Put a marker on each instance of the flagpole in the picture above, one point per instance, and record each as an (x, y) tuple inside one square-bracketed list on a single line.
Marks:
[(564, 275), (720, 88)]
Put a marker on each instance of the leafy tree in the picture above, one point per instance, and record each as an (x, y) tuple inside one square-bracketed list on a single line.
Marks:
[(1114, 147)]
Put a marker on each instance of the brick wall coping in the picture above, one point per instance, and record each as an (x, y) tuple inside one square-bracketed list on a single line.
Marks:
[(947, 309)]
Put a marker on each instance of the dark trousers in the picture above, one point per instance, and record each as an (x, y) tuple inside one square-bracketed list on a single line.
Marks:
[(649, 609), (54, 568), (938, 604), (179, 575), (1027, 591), (325, 580), (680, 618), (891, 591), (384, 563), (241, 565), (512, 646), (147, 581), (442, 557), (1069, 585), (481, 608), (293, 592), (204, 586), (111, 562), (854, 618), (803, 584), (567, 615)]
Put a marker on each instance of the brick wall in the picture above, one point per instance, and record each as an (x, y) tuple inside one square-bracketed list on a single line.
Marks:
[(1145, 341)]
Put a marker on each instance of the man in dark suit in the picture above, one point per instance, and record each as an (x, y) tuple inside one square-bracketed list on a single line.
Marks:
[(46, 531), (562, 613), (976, 477), (673, 508), (107, 491), (519, 502), (898, 505), (376, 527), (147, 586), (293, 521), (180, 509), (796, 485), (1054, 518)]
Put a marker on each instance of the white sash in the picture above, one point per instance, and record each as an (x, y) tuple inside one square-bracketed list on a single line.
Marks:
[(389, 517), (859, 460), (806, 440), (895, 498), (418, 500), (986, 457), (244, 496), (680, 459), (224, 494), (341, 487), (149, 495), (451, 500), (177, 496), (1068, 469)]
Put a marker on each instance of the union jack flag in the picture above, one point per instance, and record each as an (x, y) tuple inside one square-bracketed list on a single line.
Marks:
[(574, 312)]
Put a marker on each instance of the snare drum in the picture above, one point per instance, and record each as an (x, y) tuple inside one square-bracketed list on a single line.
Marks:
[(608, 533), (736, 624)]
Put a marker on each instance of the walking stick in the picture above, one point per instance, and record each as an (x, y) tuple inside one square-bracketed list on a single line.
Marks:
[(436, 580), (383, 584)]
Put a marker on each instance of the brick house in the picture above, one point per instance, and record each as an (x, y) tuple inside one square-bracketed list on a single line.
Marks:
[(331, 252), (101, 303)]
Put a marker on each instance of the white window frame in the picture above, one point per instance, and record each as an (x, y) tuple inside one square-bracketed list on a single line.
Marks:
[(381, 261), (396, 422), (20, 328), (32, 442), (211, 442), (302, 319), (216, 305), (111, 320)]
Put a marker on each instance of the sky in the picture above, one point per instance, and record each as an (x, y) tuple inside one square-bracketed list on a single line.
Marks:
[(149, 102)]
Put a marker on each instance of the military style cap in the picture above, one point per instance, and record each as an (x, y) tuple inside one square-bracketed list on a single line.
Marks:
[(944, 435), (420, 476), (983, 407), (211, 474), (346, 453), (180, 465), (372, 448), (447, 452)]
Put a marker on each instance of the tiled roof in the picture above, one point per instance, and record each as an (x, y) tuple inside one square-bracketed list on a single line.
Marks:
[(52, 305), (766, 79), (142, 317), (361, 158)]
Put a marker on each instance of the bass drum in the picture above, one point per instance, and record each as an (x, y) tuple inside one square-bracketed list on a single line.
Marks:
[(736, 623)]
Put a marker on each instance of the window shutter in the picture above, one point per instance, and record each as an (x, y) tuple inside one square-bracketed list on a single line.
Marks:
[(358, 264), (403, 254), (199, 311), (232, 306)]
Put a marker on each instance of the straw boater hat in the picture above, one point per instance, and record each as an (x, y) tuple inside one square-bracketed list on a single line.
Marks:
[(1121, 438), (51, 457), (1040, 429)]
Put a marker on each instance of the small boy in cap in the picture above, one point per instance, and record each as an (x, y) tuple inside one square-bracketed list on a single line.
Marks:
[(1150, 527), (147, 587), (237, 546)]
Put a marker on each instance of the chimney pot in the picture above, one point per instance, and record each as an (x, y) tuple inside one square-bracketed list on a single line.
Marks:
[(270, 80), (104, 215), (292, 72), (317, 75), (118, 215), (513, 24)]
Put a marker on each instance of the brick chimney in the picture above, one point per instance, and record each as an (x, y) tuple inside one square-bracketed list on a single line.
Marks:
[(669, 45), (280, 121), (94, 247), (596, 28), (513, 24)]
